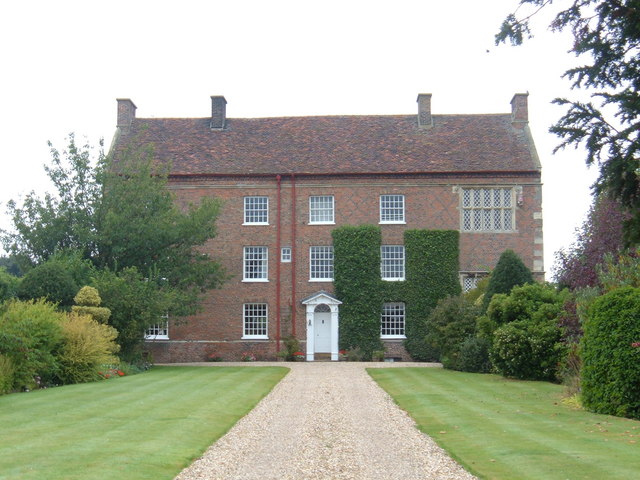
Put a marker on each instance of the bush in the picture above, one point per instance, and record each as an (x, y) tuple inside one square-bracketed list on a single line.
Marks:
[(6, 374), (611, 354), (31, 335), (528, 350), (449, 324), (8, 285), (50, 281), (88, 303), (509, 272), (473, 355), (87, 345), (291, 347)]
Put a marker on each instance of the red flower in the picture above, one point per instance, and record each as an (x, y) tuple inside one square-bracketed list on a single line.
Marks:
[(635, 344), (121, 373)]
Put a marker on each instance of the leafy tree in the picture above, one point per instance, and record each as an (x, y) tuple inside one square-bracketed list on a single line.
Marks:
[(51, 281), (117, 214), (11, 266), (606, 36), (8, 285), (509, 272), (600, 234)]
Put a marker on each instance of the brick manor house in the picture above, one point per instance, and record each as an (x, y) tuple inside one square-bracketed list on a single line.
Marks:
[(286, 183)]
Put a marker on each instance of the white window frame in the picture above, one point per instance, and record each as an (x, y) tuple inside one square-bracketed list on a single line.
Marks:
[(251, 328), (285, 254), (158, 331), (392, 209), (488, 209), (392, 263), (249, 264), (322, 210), (321, 261), (393, 318), (256, 206)]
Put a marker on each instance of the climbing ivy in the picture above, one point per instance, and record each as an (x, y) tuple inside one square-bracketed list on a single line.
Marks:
[(431, 267), (357, 284)]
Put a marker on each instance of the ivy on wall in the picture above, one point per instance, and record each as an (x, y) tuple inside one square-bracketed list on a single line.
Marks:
[(431, 269)]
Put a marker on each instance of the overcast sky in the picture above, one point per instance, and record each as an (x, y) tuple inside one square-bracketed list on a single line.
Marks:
[(65, 62)]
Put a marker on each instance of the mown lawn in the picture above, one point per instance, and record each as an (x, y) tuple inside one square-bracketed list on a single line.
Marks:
[(146, 426), (506, 429)]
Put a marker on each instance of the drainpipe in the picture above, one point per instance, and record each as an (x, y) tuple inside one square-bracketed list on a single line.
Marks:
[(293, 255), (278, 253)]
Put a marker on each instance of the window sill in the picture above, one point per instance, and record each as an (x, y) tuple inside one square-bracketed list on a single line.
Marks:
[(393, 279), (255, 337), (321, 279), (322, 223), (256, 224), (255, 280), (392, 223), (156, 337), (393, 337)]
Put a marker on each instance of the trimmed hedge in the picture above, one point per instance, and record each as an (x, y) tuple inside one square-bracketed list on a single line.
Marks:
[(510, 271), (611, 354)]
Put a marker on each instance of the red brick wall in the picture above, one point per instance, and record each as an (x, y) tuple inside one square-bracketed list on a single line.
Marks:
[(430, 203)]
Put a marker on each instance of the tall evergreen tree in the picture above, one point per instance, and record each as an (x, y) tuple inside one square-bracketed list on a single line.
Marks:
[(510, 271)]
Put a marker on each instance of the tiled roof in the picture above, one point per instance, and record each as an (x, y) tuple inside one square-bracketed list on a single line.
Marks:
[(337, 144)]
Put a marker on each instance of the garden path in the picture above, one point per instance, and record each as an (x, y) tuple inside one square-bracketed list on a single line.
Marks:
[(325, 420)]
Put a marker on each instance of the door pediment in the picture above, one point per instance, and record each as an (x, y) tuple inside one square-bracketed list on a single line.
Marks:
[(321, 297)]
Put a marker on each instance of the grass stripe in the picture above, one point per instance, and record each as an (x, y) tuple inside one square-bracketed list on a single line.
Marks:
[(146, 426), (507, 429)]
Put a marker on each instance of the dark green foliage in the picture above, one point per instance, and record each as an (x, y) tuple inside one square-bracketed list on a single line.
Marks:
[(611, 354), (31, 336), (606, 38), (527, 339), (11, 266), (528, 350), (451, 322), (136, 303), (50, 280), (358, 285), (432, 258), (509, 272), (8, 285), (473, 355), (291, 347)]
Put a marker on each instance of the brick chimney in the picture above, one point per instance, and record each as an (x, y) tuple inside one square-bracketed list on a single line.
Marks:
[(520, 108), (424, 110), (126, 113), (218, 112)]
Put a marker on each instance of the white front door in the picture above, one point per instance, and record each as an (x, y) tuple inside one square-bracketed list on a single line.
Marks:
[(322, 321)]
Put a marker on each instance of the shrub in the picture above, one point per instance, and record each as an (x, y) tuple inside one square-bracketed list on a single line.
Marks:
[(31, 335), (611, 354), (8, 285), (50, 281), (87, 345), (509, 272), (528, 350), (473, 355), (291, 347), (449, 324), (6, 374), (88, 303)]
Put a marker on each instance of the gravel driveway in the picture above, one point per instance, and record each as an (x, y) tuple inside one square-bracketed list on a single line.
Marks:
[(325, 420)]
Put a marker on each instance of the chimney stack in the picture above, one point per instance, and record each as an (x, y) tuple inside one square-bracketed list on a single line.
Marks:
[(126, 113), (520, 108), (425, 120), (218, 112)]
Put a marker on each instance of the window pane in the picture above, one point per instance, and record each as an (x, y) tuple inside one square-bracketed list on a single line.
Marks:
[(392, 208), (487, 210), (392, 320), (255, 319), (321, 209), (392, 262), (321, 263), (256, 210), (255, 263)]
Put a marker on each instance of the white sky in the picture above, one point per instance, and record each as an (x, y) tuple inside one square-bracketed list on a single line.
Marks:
[(65, 62)]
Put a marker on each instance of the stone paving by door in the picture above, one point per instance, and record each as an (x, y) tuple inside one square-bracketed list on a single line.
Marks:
[(325, 420)]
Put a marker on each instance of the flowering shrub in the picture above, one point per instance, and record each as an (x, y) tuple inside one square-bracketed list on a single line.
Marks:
[(111, 372), (248, 357), (214, 357), (298, 355)]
